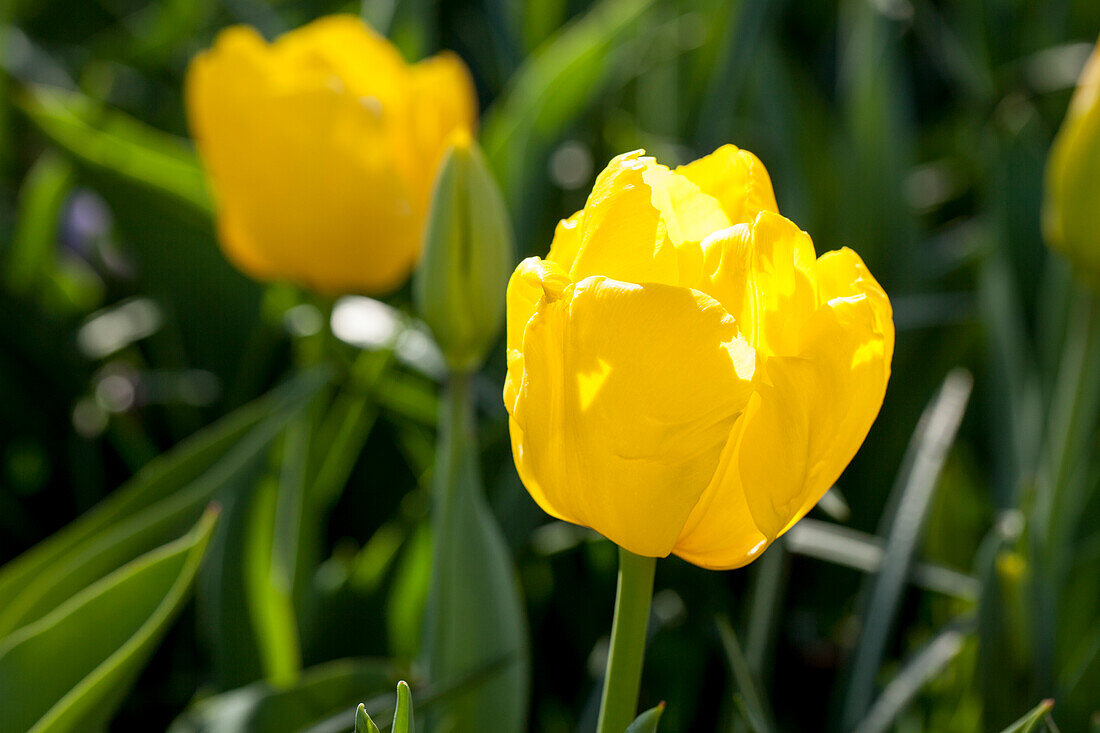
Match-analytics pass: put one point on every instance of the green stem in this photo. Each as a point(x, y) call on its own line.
point(624, 659)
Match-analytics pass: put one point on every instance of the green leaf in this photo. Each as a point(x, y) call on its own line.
point(158, 503)
point(757, 713)
point(270, 601)
point(408, 592)
point(69, 670)
point(647, 721)
point(403, 713)
point(474, 612)
point(1031, 718)
point(326, 690)
point(363, 722)
point(34, 241)
point(112, 142)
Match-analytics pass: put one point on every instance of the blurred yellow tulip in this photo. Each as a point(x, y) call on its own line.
point(1071, 209)
point(685, 375)
point(321, 148)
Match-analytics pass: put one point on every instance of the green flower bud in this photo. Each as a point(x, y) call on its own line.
point(460, 282)
point(1071, 209)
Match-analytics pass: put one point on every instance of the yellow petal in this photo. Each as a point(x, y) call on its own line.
point(318, 171)
point(621, 233)
point(526, 287)
point(442, 99)
point(815, 409)
point(720, 532)
point(567, 241)
point(737, 179)
point(609, 427)
point(642, 223)
point(764, 274)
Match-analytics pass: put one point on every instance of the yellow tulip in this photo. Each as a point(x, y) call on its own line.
point(321, 148)
point(685, 375)
point(1071, 210)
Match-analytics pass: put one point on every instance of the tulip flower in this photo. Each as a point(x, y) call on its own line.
point(322, 148)
point(1071, 210)
point(686, 375)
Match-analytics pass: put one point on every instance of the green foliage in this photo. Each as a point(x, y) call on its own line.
point(70, 669)
point(474, 615)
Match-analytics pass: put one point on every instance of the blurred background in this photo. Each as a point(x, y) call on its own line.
point(913, 131)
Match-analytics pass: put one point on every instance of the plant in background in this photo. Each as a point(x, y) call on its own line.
point(686, 376)
point(321, 148)
point(1071, 216)
point(1039, 628)
point(474, 622)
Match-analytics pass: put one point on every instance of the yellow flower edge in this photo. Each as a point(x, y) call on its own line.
point(1071, 216)
point(685, 375)
point(321, 148)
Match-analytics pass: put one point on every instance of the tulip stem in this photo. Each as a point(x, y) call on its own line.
point(628, 635)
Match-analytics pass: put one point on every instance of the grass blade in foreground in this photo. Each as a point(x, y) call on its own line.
point(322, 691)
point(647, 721)
point(1029, 721)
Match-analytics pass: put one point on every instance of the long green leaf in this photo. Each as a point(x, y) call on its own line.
point(67, 671)
point(158, 502)
point(474, 612)
point(35, 238)
point(114, 143)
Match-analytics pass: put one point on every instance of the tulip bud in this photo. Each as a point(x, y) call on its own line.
point(1071, 210)
point(460, 283)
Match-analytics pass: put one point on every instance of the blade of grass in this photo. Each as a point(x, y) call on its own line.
point(759, 716)
point(861, 551)
point(917, 672)
point(1032, 718)
point(912, 497)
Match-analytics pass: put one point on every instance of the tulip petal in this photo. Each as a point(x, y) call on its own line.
point(618, 425)
point(526, 287)
point(737, 179)
point(764, 274)
point(443, 99)
point(721, 533)
point(815, 409)
point(567, 240)
point(621, 234)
